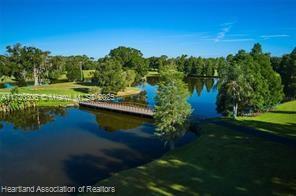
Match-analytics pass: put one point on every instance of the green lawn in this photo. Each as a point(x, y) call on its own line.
point(281, 121)
point(219, 162)
point(65, 88)
point(152, 73)
point(71, 89)
point(222, 161)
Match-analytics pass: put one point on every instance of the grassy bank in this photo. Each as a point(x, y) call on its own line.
point(71, 89)
point(222, 161)
point(281, 121)
point(67, 88)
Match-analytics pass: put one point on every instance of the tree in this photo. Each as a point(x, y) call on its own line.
point(221, 64)
point(129, 77)
point(248, 83)
point(73, 68)
point(180, 62)
point(16, 62)
point(209, 67)
point(234, 91)
point(153, 63)
point(35, 60)
point(27, 62)
point(57, 66)
point(271, 80)
point(130, 58)
point(286, 67)
point(172, 109)
point(109, 76)
point(4, 66)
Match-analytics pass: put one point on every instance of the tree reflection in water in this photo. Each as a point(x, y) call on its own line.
point(198, 84)
point(32, 119)
point(140, 98)
point(114, 121)
point(154, 80)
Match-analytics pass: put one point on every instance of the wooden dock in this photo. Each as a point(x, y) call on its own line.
point(130, 108)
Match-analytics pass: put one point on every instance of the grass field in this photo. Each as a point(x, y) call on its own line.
point(67, 88)
point(281, 121)
point(222, 161)
point(71, 89)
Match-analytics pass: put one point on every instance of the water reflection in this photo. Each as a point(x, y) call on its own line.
point(75, 147)
point(203, 93)
point(140, 98)
point(198, 84)
point(32, 119)
point(113, 121)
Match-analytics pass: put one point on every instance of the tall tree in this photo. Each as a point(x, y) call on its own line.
point(130, 58)
point(172, 108)
point(248, 81)
point(234, 91)
point(269, 77)
point(4, 66)
point(57, 66)
point(286, 67)
point(74, 68)
point(35, 60)
point(16, 62)
point(27, 62)
point(180, 62)
point(109, 76)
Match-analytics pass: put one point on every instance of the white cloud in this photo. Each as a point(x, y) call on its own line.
point(238, 40)
point(226, 28)
point(273, 36)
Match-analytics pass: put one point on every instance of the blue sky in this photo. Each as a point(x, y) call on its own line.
point(172, 27)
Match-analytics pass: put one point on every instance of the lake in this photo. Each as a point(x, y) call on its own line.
point(79, 146)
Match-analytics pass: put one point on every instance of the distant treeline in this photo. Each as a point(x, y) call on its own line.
point(189, 65)
point(30, 63)
point(124, 66)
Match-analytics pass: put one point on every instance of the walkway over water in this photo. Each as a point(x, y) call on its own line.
point(126, 107)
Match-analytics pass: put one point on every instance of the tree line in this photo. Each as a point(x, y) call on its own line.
point(189, 65)
point(33, 64)
point(253, 76)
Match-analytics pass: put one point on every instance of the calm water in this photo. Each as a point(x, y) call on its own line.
point(203, 93)
point(76, 146)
